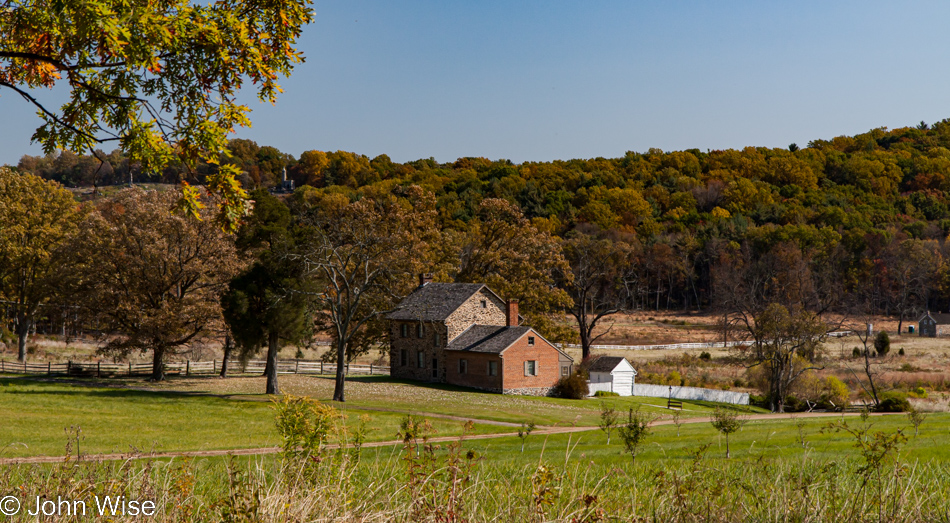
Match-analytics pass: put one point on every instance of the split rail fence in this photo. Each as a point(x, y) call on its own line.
point(185, 368)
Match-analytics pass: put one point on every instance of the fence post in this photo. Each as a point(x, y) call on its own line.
point(49, 368)
point(296, 366)
point(69, 367)
point(321, 367)
point(99, 369)
point(346, 369)
point(187, 367)
point(130, 368)
point(370, 369)
point(214, 366)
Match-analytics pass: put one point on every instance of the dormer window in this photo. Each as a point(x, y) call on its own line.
point(484, 304)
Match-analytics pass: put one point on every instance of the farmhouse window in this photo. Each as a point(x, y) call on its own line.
point(463, 366)
point(420, 330)
point(421, 359)
point(438, 339)
point(530, 340)
point(492, 368)
point(403, 357)
point(484, 304)
point(531, 368)
point(566, 370)
point(435, 368)
point(405, 330)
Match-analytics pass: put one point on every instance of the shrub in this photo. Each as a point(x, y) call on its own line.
point(856, 353)
point(835, 391)
point(572, 387)
point(674, 378)
point(705, 356)
point(918, 392)
point(604, 393)
point(882, 343)
point(893, 402)
point(901, 352)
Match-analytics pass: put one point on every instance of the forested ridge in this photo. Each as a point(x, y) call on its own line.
point(872, 207)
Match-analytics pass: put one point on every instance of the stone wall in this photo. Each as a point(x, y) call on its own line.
point(538, 391)
point(471, 313)
point(413, 345)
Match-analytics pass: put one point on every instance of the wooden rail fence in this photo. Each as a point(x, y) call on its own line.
point(184, 368)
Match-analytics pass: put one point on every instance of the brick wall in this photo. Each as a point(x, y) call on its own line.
point(413, 345)
point(477, 372)
point(548, 359)
point(471, 313)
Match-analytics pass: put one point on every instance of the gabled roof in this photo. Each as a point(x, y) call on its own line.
point(609, 364)
point(435, 301)
point(487, 338)
point(941, 319)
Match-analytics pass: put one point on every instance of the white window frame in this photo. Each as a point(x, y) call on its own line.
point(530, 340)
point(531, 367)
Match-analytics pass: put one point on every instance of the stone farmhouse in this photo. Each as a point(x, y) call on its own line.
point(465, 334)
point(933, 324)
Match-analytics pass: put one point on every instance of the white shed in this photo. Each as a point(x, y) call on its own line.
point(612, 374)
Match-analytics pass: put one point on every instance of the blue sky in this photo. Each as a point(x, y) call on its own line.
point(552, 80)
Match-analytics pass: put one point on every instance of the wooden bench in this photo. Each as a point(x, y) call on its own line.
point(674, 404)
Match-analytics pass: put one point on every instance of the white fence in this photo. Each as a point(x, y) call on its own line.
point(691, 393)
point(670, 346)
point(685, 346)
point(603, 386)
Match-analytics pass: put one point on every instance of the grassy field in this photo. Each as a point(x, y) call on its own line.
point(38, 415)
point(381, 392)
point(781, 469)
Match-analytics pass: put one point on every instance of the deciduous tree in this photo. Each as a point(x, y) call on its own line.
point(159, 78)
point(596, 283)
point(149, 278)
point(36, 218)
point(361, 258)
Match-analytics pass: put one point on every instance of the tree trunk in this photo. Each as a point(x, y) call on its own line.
point(158, 368)
point(340, 371)
point(227, 355)
point(23, 334)
point(273, 346)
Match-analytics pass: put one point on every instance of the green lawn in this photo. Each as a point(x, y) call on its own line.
point(38, 414)
point(382, 392)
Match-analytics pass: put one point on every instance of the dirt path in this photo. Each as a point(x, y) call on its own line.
point(540, 431)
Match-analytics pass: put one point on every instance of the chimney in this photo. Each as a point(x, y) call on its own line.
point(512, 313)
point(425, 278)
point(283, 176)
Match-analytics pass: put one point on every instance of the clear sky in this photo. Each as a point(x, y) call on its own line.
point(545, 80)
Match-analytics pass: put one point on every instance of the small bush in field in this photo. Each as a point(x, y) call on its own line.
point(901, 352)
point(893, 402)
point(705, 356)
point(918, 392)
point(572, 387)
point(856, 353)
point(882, 343)
point(604, 393)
